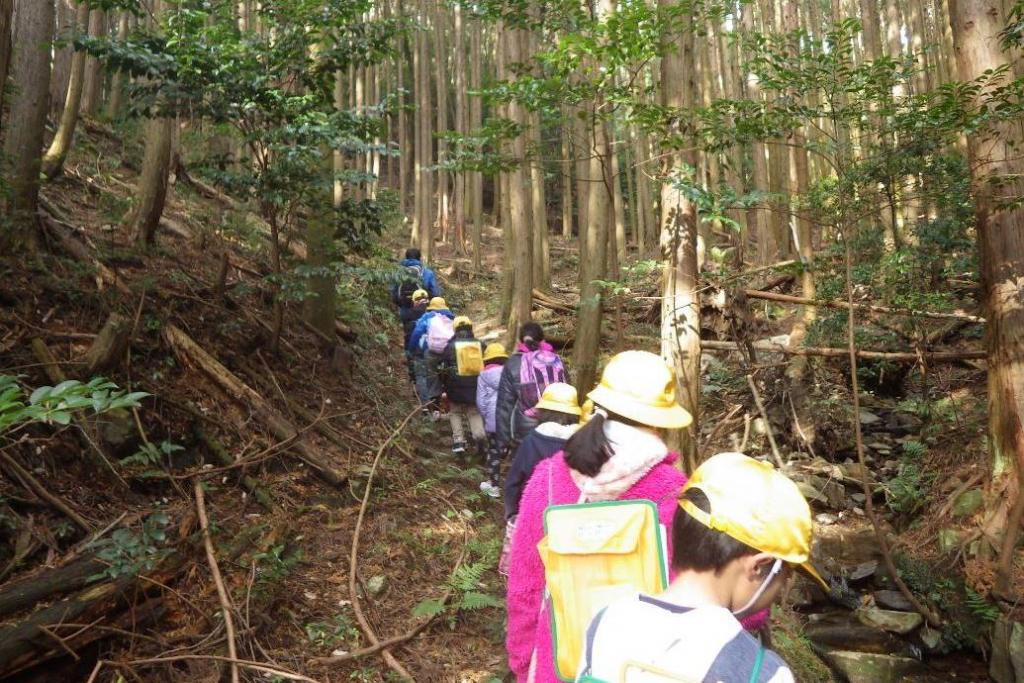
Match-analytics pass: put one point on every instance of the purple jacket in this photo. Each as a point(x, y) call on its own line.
point(487, 394)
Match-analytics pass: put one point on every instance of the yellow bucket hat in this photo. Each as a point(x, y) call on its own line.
point(437, 304)
point(755, 504)
point(561, 398)
point(640, 386)
point(461, 320)
point(420, 294)
point(495, 350)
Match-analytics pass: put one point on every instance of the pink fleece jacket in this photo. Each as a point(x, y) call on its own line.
point(528, 625)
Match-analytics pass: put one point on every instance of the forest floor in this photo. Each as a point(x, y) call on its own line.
point(427, 534)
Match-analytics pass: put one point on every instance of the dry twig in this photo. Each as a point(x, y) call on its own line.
point(222, 593)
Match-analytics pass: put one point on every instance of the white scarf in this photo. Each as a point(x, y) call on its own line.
point(634, 453)
point(557, 431)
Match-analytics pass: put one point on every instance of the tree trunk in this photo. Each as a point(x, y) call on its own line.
point(538, 204)
point(566, 181)
point(320, 308)
point(23, 140)
point(116, 103)
point(109, 347)
point(518, 227)
point(441, 67)
point(594, 255)
point(60, 73)
point(152, 187)
point(53, 160)
point(475, 121)
point(999, 221)
point(680, 317)
point(93, 88)
point(461, 127)
point(424, 145)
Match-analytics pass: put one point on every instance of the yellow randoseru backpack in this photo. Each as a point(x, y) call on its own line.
point(593, 554)
point(469, 358)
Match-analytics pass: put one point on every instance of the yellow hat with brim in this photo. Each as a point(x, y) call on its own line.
point(462, 321)
point(495, 350)
point(639, 385)
point(420, 294)
point(757, 505)
point(561, 398)
point(437, 304)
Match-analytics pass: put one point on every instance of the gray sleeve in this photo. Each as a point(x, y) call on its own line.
point(736, 662)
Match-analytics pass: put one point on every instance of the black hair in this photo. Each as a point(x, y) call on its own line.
point(413, 253)
point(500, 360)
point(545, 415)
point(700, 548)
point(531, 334)
point(587, 450)
point(464, 331)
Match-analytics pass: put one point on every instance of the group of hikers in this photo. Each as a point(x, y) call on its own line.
point(619, 567)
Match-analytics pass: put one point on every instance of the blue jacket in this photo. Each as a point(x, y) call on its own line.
point(427, 276)
point(543, 442)
point(421, 329)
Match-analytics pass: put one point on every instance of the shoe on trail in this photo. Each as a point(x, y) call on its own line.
point(489, 489)
point(458, 448)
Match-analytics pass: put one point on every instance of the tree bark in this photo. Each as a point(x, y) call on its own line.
point(594, 253)
point(424, 140)
point(476, 191)
point(93, 88)
point(518, 227)
point(320, 307)
point(462, 128)
point(441, 68)
point(680, 317)
point(115, 104)
point(996, 171)
point(110, 345)
point(6, 38)
point(152, 187)
point(23, 139)
point(53, 160)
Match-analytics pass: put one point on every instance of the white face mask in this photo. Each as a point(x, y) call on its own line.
point(776, 568)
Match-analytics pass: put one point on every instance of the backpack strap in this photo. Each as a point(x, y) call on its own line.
point(589, 642)
point(758, 663)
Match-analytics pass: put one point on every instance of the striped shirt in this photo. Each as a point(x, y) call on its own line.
point(646, 640)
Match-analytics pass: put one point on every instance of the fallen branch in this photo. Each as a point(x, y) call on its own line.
point(767, 425)
point(829, 352)
point(357, 607)
point(222, 593)
point(192, 354)
point(799, 300)
point(37, 488)
point(866, 483)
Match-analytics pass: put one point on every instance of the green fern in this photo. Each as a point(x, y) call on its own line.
point(980, 607)
point(474, 600)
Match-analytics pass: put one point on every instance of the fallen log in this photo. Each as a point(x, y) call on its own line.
point(895, 356)
point(191, 353)
point(801, 301)
point(27, 591)
point(27, 644)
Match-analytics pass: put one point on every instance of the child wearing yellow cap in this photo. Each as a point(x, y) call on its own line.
point(740, 529)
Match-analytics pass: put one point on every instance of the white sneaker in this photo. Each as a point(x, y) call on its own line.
point(458, 448)
point(489, 489)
